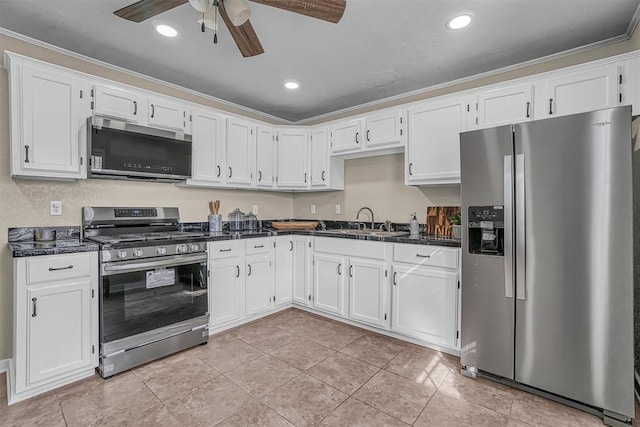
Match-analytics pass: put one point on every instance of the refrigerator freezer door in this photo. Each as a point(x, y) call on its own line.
point(574, 333)
point(487, 293)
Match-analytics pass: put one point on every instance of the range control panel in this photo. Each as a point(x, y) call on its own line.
point(135, 213)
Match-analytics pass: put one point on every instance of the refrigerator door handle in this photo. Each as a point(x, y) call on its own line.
point(508, 226)
point(521, 284)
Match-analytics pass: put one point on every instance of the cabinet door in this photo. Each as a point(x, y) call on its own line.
point(259, 289)
point(368, 300)
point(293, 155)
point(582, 91)
point(433, 146)
point(241, 146)
point(118, 103)
point(504, 106)
point(166, 114)
point(59, 329)
point(284, 270)
point(227, 290)
point(385, 129)
point(302, 271)
point(265, 157)
point(346, 136)
point(49, 126)
point(319, 157)
point(424, 304)
point(207, 146)
point(329, 283)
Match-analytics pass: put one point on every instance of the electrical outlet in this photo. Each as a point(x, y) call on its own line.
point(255, 209)
point(55, 208)
point(337, 210)
point(313, 209)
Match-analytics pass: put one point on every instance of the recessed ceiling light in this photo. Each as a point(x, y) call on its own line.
point(291, 85)
point(166, 30)
point(459, 21)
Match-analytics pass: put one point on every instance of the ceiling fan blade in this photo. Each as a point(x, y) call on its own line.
point(326, 10)
point(145, 9)
point(244, 35)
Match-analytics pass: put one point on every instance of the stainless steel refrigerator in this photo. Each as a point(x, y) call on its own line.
point(547, 259)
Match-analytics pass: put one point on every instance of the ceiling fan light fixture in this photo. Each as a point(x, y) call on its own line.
point(290, 84)
point(200, 5)
point(459, 21)
point(238, 11)
point(166, 30)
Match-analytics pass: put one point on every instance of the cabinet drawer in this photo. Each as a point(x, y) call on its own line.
point(259, 246)
point(349, 247)
point(433, 256)
point(53, 268)
point(226, 249)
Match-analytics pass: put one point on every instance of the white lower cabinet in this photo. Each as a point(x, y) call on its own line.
point(284, 270)
point(329, 290)
point(302, 269)
point(55, 322)
point(226, 281)
point(368, 292)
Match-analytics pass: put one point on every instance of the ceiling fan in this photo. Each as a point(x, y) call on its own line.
point(235, 15)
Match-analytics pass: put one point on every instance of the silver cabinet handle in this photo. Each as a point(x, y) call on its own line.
point(26, 154)
point(340, 269)
point(508, 224)
point(291, 243)
point(259, 176)
point(521, 285)
point(69, 267)
point(351, 271)
point(230, 171)
point(218, 166)
point(423, 256)
point(305, 177)
point(410, 168)
point(238, 271)
point(135, 108)
point(550, 105)
point(35, 312)
point(395, 278)
point(528, 106)
point(153, 110)
point(249, 267)
point(323, 175)
point(357, 134)
point(368, 135)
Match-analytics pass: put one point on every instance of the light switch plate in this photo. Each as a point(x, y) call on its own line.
point(313, 209)
point(337, 210)
point(55, 208)
point(255, 209)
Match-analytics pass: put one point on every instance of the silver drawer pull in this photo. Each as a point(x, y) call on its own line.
point(225, 250)
point(35, 313)
point(259, 246)
point(69, 267)
point(423, 256)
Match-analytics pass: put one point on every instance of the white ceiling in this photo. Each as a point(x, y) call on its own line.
point(380, 48)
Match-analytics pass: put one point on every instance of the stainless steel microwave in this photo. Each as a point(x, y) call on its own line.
point(122, 150)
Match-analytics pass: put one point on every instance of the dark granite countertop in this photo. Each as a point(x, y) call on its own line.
point(61, 246)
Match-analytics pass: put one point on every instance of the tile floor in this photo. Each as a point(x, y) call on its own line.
point(293, 368)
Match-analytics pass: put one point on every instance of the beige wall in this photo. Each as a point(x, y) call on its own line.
point(25, 202)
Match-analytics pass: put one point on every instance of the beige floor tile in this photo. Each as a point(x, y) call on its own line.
point(335, 336)
point(255, 414)
point(373, 348)
point(354, 413)
point(209, 403)
point(83, 388)
point(445, 410)
point(262, 375)
point(302, 354)
point(302, 325)
point(480, 391)
point(539, 411)
point(265, 338)
point(420, 365)
point(517, 423)
point(397, 396)
point(343, 372)
point(225, 353)
point(176, 376)
point(304, 400)
point(31, 411)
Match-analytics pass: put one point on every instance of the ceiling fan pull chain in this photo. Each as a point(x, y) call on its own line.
point(202, 26)
point(215, 14)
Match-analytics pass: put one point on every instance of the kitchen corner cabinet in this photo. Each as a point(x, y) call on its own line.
point(226, 281)
point(265, 157)
point(55, 322)
point(207, 160)
point(302, 269)
point(325, 172)
point(240, 152)
point(260, 275)
point(433, 148)
point(292, 158)
point(284, 270)
point(49, 111)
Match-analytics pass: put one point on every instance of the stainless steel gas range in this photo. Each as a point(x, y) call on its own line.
point(153, 285)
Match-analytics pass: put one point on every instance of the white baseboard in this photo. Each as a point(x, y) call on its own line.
point(4, 365)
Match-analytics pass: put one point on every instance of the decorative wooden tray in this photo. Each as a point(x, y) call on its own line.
point(295, 225)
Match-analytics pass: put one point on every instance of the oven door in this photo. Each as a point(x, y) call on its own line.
point(144, 300)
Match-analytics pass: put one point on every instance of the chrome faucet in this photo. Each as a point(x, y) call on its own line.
point(370, 211)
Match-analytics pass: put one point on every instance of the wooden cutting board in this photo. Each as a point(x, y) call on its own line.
point(295, 225)
point(438, 220)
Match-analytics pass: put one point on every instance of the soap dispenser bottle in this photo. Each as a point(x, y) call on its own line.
point(414, 227)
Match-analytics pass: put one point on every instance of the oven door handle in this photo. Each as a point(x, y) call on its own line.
point(126, 267)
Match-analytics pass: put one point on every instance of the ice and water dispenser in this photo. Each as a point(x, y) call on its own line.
point(486, 230)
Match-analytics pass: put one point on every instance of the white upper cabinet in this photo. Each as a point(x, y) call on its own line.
point(207, 157)
point(293, 155)
point(433, 146)
point(49, 111)
point(507, 105)
point(325, 172)
point(166, 114)
point(241, 152)
point(346, 136)
point(385, 129)
point(579, 91)
point(118, 103)
point(266, 157)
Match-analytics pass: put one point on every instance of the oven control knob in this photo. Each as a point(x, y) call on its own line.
point(161, 250)
point(121, 254)
point(194, 247)
point(182, 249)
point(137, 252)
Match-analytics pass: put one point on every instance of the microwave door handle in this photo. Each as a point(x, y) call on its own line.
point(508, 226)
point(521, 246)
point(146, 265)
